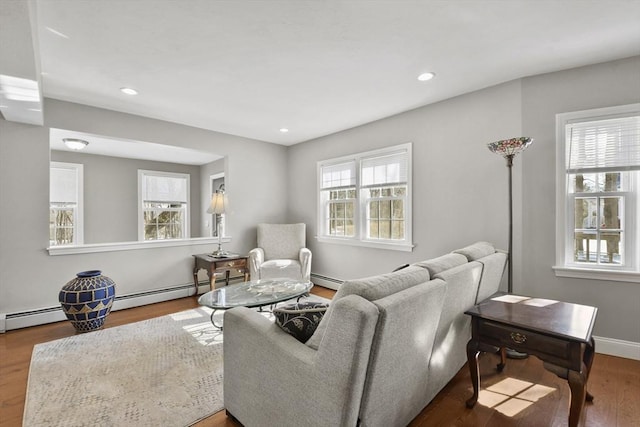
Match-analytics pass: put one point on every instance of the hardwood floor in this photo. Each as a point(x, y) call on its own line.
point(614, 381)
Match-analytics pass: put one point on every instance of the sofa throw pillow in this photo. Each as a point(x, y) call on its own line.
point(300, 319)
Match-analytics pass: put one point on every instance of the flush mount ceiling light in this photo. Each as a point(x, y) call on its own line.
point(75, 144)
point(426, 76)
point(284, 130)
point(128, 91)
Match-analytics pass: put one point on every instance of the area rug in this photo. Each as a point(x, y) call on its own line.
point(165, 371)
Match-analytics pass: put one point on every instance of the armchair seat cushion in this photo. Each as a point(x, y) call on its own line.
point(276, 268)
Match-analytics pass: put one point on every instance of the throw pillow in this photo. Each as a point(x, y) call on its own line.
point(300, 319)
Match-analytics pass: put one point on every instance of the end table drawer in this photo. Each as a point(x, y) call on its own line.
point(521, 339)
point(236, 263)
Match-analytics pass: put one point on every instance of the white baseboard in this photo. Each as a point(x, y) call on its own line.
point(325, 281)
point(10, 321)
point(619, 348)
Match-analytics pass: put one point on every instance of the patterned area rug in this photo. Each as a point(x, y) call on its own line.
point(165, 371)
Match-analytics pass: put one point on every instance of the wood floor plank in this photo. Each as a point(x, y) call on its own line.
point(615, 382)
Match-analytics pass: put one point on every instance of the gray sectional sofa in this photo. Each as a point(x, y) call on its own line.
point(385, 347)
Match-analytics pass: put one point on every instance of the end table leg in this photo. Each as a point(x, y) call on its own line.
point(589, 354)
point(503, 359)
point(578, 386)
point(195, 280)
point(474, 370)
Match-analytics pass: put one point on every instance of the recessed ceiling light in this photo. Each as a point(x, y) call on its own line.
point(128, 91)
point(284, 130)
point(75, 144)
point(426, 76)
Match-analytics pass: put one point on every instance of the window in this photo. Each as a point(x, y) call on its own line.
point(65, 204)
point(163, 200)
point(597, 193)
point(365, 199)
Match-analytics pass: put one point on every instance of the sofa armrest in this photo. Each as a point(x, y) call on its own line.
point(305, 264)
point(269, 375)
point(256, 258)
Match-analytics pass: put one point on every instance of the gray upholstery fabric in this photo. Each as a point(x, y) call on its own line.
point(442, 263)
point(272, 379)
point(492, 273)
point(281, 241)
point(281, 252)
point(372, 288)
point(454, 327)
point(396, 387)
point(476, 251)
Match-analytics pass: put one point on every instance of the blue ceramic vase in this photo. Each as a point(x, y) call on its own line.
point(87, 300)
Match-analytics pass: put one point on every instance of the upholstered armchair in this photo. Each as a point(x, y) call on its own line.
point(281, 252)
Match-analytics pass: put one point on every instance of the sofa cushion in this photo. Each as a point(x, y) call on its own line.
point(371, 289)
point(476, 251)
point(442, 263)
point(300, 319)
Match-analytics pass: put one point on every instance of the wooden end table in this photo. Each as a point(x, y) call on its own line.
point(215, 265)
point(556, 332)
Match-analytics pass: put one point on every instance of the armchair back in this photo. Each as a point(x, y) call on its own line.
point(281, 241)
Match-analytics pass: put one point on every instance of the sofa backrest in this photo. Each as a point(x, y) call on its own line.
point(395, 385)
point(371, 289)
point(494, 263)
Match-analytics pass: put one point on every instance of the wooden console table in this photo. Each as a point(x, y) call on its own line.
point(219, 265)
point(558, 333)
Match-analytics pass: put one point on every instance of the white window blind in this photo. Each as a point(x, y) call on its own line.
point(158, 188)
point(604, 145)
point(63, 185)
point(339, 175)
point(385, 170)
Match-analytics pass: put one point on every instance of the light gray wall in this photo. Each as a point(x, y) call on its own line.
point(459, 186)
point(544, 96)
point(111, 194)
point(31, 279)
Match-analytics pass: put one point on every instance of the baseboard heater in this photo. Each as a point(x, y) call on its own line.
point(326, 281)
point(24, 319)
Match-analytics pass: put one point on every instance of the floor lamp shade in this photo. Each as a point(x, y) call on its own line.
point(509, 148)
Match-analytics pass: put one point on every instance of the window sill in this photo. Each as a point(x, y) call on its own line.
point(127, 246)
point(595, 274)
point(405, 247)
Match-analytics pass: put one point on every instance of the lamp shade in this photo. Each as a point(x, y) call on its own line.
point(218, 204)
point(510, 147)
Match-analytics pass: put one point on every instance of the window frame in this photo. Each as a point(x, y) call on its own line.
point(78, 220)
point(360, 203)
point(141, 208)
point(565, 266)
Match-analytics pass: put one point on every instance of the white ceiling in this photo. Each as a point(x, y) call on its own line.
point(114, 147)
point(249, 68)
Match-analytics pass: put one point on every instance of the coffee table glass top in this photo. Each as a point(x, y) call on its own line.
point(256, 293)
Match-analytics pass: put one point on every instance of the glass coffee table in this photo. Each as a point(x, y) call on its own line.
point(256, 293)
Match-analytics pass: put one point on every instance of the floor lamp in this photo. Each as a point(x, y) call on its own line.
point(218, 206)
point(509, 148)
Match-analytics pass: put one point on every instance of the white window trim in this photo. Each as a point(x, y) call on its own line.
point(78, 223)
point(405, 245)
point(563, 242)
point(141, 174)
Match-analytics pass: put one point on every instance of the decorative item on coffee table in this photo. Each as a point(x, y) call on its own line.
point(87, 300)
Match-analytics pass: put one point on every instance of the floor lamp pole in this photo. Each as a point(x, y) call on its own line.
point(510, 254)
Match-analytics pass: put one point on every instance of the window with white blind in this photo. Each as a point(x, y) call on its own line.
point(598, 234)
point(65, 204)
point(365, 199)
point(163, 200)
